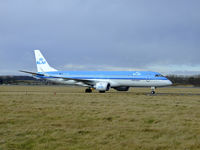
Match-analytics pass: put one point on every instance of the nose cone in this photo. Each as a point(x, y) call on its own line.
point(169, 82)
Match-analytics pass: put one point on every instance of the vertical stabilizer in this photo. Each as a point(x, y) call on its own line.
point(42, 64)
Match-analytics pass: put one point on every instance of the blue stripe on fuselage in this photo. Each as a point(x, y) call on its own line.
point(123, 75)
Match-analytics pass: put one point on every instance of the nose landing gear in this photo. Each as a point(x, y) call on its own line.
point(153, 90)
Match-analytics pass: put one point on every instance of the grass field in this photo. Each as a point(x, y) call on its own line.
point(63, 118)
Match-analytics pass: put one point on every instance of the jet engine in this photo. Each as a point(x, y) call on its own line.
point(102, 86)
point(122, 88)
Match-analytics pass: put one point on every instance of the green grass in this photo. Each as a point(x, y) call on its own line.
point(33, 117)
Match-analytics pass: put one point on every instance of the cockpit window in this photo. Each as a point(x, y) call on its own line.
point(159, 75)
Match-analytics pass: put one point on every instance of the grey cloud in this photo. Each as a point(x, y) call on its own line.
point(132, 34)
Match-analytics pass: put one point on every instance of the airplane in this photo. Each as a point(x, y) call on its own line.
point(101, 81)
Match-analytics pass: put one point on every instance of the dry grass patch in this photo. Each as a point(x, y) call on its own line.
point(36, 118)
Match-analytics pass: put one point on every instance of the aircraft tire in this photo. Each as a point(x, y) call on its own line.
point(88, 90)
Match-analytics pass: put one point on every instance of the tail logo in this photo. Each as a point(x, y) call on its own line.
point(41, 61)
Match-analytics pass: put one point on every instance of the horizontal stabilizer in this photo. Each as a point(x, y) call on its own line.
point(33, 73)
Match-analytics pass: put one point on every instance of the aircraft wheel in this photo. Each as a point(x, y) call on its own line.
point(102, 91)
point(89, 90)
point(153, 90)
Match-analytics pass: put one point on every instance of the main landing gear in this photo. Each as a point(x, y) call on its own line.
point(88, 90)
point(102, 91)
point(153, 90)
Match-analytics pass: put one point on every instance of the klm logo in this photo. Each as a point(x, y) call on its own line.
point(41, 61)
point(136, 74)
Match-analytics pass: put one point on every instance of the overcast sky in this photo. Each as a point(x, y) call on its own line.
point(156, 35)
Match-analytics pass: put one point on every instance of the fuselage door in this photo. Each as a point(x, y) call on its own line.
point(148, 78)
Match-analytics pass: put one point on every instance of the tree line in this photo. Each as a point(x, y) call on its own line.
point(20, 80)
point(184, 80)
point(28, 80)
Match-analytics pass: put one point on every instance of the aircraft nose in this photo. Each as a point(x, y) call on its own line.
point(169, 82)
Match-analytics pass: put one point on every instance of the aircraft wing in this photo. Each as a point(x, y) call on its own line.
point(85, 81)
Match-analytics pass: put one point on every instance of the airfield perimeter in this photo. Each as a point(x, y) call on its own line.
point(58, 117)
